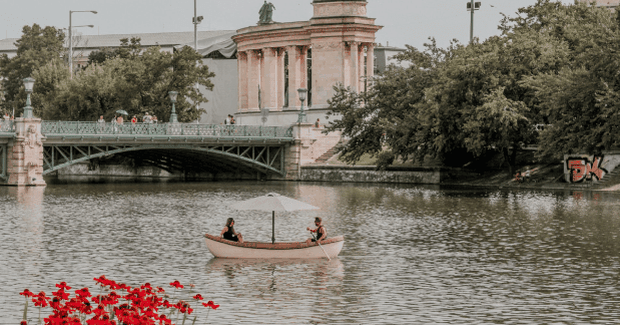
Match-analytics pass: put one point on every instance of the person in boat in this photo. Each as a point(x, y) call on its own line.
point(229, 232)
point(321, 232)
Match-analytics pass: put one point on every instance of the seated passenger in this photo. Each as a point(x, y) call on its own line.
point(321, 232)
point(229, 232)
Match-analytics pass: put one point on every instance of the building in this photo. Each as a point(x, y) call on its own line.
point(384, 57)
point(610, 4)
point(275, 59)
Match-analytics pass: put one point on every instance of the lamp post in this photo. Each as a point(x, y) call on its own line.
point(173, 98)
point(301, 118)
point(28, 84)
point(71, 39)
point(473, 6)
point(196, 21)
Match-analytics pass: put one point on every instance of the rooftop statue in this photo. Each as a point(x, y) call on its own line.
point(266, 13)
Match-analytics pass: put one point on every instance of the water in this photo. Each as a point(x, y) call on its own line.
point(413, 255)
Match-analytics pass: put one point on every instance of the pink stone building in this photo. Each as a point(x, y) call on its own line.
point(335, 46)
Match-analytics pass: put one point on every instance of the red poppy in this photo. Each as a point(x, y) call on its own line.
point(176, 284)
point(210, 304)
point(198, 297)
point(63, 286)
point(23, 323)
point(27, 293)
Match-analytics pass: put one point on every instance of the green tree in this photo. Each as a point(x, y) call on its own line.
point(36, 48)
point(465, 102)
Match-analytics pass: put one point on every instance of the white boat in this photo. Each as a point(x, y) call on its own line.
point(220, 247)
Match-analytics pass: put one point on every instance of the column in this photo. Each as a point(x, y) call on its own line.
point(295, 58)
point(253, 78)
point(371, 62)
point(360, 65)
point(242, 65)
point(354, 62)
point(269, 78)
point(279, 78)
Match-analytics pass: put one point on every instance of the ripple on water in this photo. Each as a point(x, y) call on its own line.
point(412, 255)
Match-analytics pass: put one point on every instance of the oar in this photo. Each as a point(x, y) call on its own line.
point(316, 240)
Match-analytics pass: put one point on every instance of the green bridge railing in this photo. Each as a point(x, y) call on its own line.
point(164, 129)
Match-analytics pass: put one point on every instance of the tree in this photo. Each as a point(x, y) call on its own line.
point(36, 48)
point(465, 102)
point(133, 80)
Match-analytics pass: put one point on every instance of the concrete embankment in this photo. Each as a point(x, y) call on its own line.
point(369, 174)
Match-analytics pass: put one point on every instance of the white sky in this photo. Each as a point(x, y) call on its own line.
point(405, 21)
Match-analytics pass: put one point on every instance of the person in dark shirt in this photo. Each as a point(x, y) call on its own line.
point(321, 232)
point(229, 232)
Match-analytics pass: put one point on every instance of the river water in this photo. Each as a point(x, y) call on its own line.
point(413, 255)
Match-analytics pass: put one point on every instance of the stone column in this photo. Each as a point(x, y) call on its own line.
point(295, 66)
point(25, 154)
point(371, 62)
point(269, 78)
point(361, 73)
point(280, 78)
point(253, 67)
point(354, 79)
point(242, 64)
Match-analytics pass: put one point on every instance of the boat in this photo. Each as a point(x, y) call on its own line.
point(224, 248)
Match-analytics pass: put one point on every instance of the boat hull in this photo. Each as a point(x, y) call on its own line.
point(227, 249)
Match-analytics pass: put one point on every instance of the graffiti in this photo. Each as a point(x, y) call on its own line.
point(581, 169)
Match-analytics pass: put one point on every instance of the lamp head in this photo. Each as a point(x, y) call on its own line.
point(302, 94)
point(173, 96)
point(28, 84)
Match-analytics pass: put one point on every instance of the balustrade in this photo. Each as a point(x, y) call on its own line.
point(163, 129)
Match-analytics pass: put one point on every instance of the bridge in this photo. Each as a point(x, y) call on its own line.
point(31, 148)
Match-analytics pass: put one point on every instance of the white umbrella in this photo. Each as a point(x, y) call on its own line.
point(273, 202)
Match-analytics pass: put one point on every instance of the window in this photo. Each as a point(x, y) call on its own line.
point(286, 80)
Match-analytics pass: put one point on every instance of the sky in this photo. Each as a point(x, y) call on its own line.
point(409, 22)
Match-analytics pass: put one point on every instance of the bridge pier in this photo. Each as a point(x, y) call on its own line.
point(308, 145)
point(25, 154)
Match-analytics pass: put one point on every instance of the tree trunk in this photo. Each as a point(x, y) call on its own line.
point(510, 159)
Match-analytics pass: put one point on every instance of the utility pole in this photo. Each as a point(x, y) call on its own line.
point(471, 27)
point(195, 28)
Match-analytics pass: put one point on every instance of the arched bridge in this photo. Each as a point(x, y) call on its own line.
point(174, 147)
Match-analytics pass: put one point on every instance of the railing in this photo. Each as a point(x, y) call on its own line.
point(7, 126)
point(164, 129)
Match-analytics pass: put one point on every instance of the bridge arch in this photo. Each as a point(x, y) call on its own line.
point(265, 158)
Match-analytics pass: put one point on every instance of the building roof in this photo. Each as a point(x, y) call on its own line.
point(146, 39)
point(220, 43)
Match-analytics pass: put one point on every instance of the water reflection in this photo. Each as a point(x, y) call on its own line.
point(412, 254)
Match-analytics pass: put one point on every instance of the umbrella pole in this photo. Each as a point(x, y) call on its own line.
point(273, 227)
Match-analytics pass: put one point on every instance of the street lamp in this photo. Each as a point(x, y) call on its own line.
point(473, 6)
point(301, 118)
point(173, 98)
point(28, 84)
point(71, 39)
point(196, 21)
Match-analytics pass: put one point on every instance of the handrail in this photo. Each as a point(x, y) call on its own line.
point(7, 126)
point(49, 128)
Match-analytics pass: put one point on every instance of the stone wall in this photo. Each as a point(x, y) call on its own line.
point(589, 168)
point(370, 175)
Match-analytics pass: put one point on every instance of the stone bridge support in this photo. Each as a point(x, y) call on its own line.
point(310, 143)
point(25, 154)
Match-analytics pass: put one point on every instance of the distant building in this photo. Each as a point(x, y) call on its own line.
point(217, 48)
point(610, 4)
point(384, 57)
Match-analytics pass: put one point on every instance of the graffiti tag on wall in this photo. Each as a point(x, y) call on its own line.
point(581, 169)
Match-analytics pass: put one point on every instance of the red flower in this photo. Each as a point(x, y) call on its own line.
point(27, 293)
point(83, 293)
point(23, 323)
point(63, 286)
point(176, 284)
point(198, 297)
point(210, 304)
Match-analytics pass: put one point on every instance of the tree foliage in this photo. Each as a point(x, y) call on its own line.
point(128, 78)
point(37, 48)
point(553, 64)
